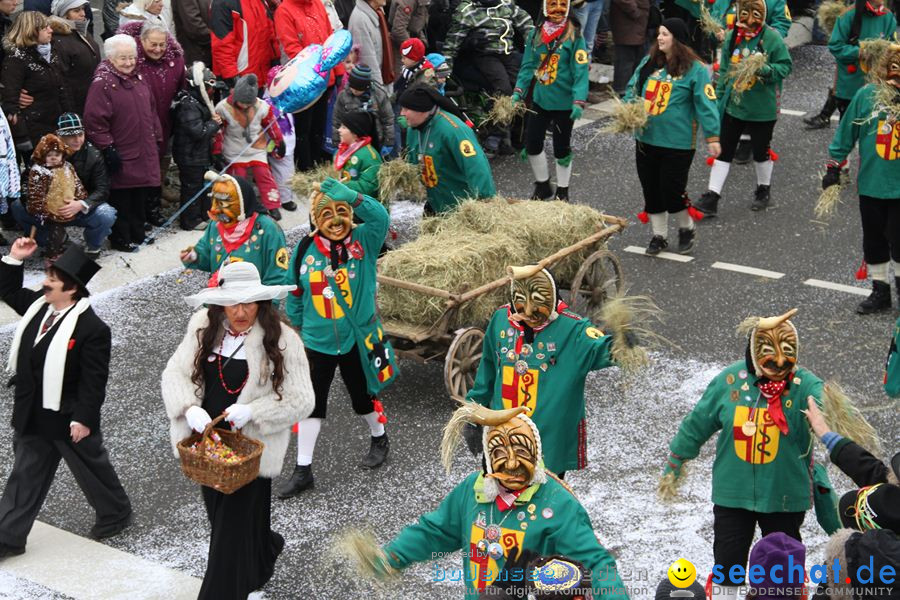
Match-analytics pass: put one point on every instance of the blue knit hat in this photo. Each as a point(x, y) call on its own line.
point(69, 124)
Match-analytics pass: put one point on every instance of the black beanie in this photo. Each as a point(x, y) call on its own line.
point(678, 30)
point(423, 98)
point(361, 123)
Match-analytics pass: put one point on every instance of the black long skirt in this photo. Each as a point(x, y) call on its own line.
point(242, 546)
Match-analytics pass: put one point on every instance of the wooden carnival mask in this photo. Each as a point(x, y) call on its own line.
point(556, 10)
point(512, 450)
point(533, 295)
point(892, 65)
point(751, 14)
point(333, 219)
point(226, 207)
point(774, 346)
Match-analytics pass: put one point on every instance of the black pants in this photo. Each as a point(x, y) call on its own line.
point(624, 63)
point(130, 205)
point(881, 229)
point(760, 133)
point(242, 546)
point(192, 182)
point(34, 467)
point(536, 126)
point(310, 132)
point(663, 173)
point(733, 530)
point(321, 371)
point(500, 72)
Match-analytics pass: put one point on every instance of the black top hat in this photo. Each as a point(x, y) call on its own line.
point(75, 263)
point(882, 508)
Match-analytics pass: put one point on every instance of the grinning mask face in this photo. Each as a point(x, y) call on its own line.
point(534, 298)
point(775, 351)
point(751, 14)
point(333, 219)
point(513, 453)
point(892, 65)
point(226, 203)
point(556, 10)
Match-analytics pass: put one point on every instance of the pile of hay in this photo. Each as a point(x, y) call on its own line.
point(708, 23)
point(828, 14)
point(399, 180)
point(871, 53)
point(302, 183)
point(628, 117)
point(743, 74)
point(472, 246)
point(503, 110)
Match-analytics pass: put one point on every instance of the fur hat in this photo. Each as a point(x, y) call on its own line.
point(245, 89)
point(413, 49)
point(49, 143)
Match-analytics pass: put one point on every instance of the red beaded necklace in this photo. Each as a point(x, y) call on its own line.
point(221, 376)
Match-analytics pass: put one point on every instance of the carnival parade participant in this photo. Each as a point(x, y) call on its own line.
point(867, 20)
point(513, 506)
point(757, 405)
point(749, 105)
point(453, 164)
point(357, 160)
point(239, 359)
point(677, 94)
point(873, 124)
point(553, 82)
point(537, 354)
point(338, 257)
point(237, 232)
point(60, 355)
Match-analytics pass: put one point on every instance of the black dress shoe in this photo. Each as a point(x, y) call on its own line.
point(301, 479)
point(289, 206)
point(378, 451)
point(6, 551)
point(107, 530)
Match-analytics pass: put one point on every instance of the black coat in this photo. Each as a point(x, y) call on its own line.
point(78, 56)
point(858, 463)
point(85, 374)
point(194, 130)
point(91, 170)
point(24, 68)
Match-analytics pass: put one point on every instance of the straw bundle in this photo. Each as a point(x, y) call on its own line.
point(743, 74)
point(668, 486)
point(504, 110)
point(708, 23)
point(363, 553)
point(871, 53)
point(626, 319)
point(828, 14)
point(628, 117)
point(303, 182)
point(400, 180)
point(887, 100)
point(472, 246)
point(844, 418)
point(826, 205)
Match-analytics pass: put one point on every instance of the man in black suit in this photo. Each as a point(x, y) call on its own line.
point(60, 355)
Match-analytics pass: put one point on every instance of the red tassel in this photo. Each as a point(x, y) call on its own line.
point(296, 427)
point(773, 156)
point(862, 273)
point(695, 214)
point(716, 67)
point(710, 160)
point(393, 233)
point(643, 217)
point(470, 124)
point(377, 407)
point(851, 68)
point(382, 419)
point(71, 343)
point(213, 281)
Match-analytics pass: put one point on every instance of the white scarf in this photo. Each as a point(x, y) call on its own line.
point(55, 362)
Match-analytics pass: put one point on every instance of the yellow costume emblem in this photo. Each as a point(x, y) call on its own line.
point(520, 390)
point(467, 148)
point(757, 444)
point(323, 293)
point(710, 91)
point(887, 140)
point(581, 57)
point(484, 569)
point(429, 175)
point(281, 258)
point(656, 97)
point(593, 333)
point(547, 75)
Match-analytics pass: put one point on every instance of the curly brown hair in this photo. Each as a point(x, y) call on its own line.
point(207, 337)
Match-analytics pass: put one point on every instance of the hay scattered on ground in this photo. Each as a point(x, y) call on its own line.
point(871, 54)
point(827, 204)
point(472, 246)
point(503, 110)
point(828, 14)
point(628, 117)
point(400, 180)
point(743, 74)
point(303, 182)
point(708, 23)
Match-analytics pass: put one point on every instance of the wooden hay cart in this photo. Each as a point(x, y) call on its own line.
point(459, 344)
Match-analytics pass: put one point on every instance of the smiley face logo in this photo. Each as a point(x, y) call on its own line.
point(682, 573)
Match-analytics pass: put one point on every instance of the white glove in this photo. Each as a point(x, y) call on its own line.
point(238, 415)
point(197, 418)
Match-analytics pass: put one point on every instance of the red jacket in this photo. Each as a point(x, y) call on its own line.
point(300, 23)
point(243, 38)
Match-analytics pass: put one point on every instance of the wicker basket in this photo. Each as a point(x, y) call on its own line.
point(223, 477)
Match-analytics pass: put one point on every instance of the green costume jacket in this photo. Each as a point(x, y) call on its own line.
point(760, 101)
point(892, 365)
point(675, 105)
point(763, 471)
point(778, 16)
point(312, 308)
point(265, 248)
point(454, 166)
point(879, 145)
point(546, 519)
point(564, 79)
point(558, 361)
point(850, 76)
point(360, 171)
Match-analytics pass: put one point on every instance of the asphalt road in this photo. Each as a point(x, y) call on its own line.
point(630, 422)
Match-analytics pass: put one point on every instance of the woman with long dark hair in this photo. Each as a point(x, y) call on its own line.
point(239, 358)
point(674, 85)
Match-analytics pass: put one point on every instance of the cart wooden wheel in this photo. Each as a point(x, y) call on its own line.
point(598, 279)
point(461, 362)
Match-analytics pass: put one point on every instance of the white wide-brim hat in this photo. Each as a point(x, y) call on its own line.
point(238, 283)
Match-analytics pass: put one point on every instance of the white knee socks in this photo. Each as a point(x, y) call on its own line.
point(683, 220)
point(764, 172)
point(659, 222)
point(718, 175)
point(539, 167)
point(307, 433)
point(563, 174)
point(878, 272)
point(375, 428)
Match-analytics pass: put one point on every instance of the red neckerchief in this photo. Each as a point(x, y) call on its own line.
point(743, 34)
point(772, 391)
point(550, 30)
point(345, 151)
point(234, 238)
point(877, 11)
point(560, 306)
point(506, 499)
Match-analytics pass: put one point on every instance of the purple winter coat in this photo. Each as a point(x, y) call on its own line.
point(166, 76)
point(120, 112)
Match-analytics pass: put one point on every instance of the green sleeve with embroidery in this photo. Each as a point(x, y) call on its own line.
point(293, 306)
point(778, 17)
point(372, 231)
point(364, 173)
point(700, 424)
point(593, 347)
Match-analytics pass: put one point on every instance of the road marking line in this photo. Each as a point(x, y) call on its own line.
point(747, 270)
point(800, 113)
point(667, 255)
point(838, 287)
point(83, 568)
point(582, 123)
